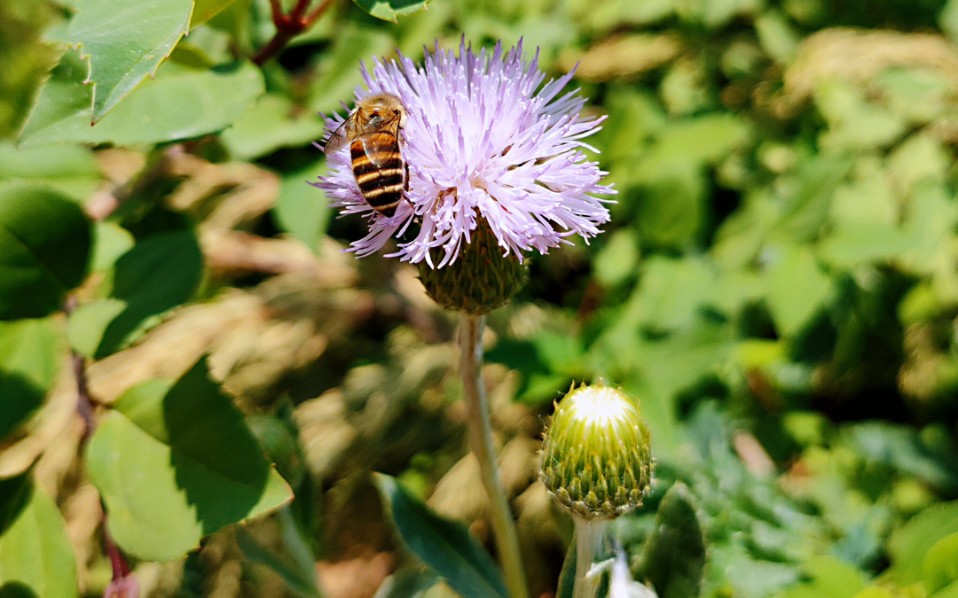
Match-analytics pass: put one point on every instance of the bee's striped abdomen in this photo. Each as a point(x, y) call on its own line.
point(379, 171)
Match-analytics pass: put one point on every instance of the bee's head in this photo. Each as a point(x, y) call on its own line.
point(382, 107)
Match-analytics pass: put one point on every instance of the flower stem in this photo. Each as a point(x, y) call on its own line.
point(480, 439)
point(588, 535)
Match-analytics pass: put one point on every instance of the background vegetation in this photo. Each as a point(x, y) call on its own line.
point(778, 287)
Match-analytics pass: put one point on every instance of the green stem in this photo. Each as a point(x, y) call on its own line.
point(480, 439)
point(588, 536)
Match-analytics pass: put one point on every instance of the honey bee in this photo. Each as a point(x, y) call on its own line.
point(372, 132)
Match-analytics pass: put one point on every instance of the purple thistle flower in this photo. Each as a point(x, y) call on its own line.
point(483, 139)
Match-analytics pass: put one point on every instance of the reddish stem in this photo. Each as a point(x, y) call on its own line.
point(288, 26)
point(117, 561)
point(121, 586)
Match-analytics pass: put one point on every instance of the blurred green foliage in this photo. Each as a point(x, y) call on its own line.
point(778, 286)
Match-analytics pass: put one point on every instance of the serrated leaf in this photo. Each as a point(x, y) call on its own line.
point(36, 558)
point(125, 42)
point(156, 274)
point(391, 10)
point(181, 103)
point(444, 545)
point(175, 462)
point(45, 241)
point(30, 355)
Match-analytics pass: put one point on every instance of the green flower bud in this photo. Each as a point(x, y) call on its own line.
point(596, 455)
point(480, 280)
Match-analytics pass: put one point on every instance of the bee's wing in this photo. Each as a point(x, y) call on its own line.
point(380, 145)
point(339, 138)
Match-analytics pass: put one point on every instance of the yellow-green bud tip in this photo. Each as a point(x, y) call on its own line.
point(596, 455)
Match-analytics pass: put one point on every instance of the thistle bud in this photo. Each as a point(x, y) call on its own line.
point(596, 455)
point(480, 280)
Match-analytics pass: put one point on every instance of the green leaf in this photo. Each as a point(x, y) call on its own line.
point(175, 462)
point(273, 122)
point(111, 241)
point(181, 103)
point(941, 563)
point(671, 292)
point(617, 261)
point(71, 170)
point(158, 273)
point(909, 545)
point(36, 558)
point(674, 556)
point(391, 10)
point(351, 45)
point(444, 545)
point(830, 577)
point(699, 140)
point(303, 210)
point(204, 10)
point(854, 123)
point(30, 357)
point(125, 42)
point(301, 580)
point(45, 244)
point(408, 583)
point(566, 583)
point(797, 290)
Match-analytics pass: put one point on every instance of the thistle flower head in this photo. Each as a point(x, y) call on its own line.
point(596, 456)
point(485, 141)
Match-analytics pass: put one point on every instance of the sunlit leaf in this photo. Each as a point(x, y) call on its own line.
point(273, 122)
point(391, 10)
point(829, 578)
point(617, 261)
point(36, 558)
point(175, 462)
point(125, 42)
point(303, 210)
point(941, 563)
point(156, 274)
point(443, 545)
point(671, 292)
point(204, 10)
point(31, 353)
point(910, 544)
point(339, 66)
point(71, 170)
point(797, 290)
point(180, 103)
point(45, 241)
